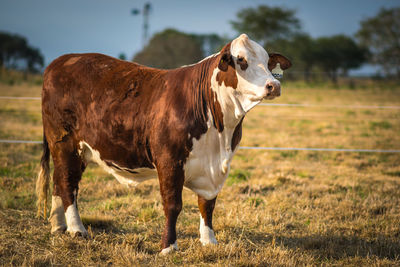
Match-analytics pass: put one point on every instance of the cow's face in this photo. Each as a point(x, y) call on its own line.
point(245, 68)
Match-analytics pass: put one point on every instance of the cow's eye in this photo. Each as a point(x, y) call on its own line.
point(242, 63)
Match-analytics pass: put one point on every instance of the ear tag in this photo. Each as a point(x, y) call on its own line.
point(277, 72)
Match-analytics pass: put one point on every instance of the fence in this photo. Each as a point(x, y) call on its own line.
point(257, 148)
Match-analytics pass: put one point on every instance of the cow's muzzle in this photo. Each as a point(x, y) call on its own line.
point(273, 89)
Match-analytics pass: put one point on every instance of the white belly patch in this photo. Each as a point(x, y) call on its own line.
point(126, 176)
point(208, 164)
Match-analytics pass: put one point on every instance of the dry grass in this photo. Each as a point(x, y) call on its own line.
point(280, 208)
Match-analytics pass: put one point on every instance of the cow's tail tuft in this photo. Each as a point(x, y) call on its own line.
point(43, 180)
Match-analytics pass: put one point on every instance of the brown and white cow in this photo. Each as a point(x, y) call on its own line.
point(182, 126)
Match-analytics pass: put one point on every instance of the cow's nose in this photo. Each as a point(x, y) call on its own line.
point(273, 88)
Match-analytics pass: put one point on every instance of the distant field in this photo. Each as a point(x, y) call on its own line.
point(277, 208)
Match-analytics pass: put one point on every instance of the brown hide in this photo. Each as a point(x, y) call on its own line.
point(134, 116)
point(275, 58)
point(128, 112)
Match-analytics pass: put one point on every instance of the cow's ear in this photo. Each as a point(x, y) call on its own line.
point(275, 58)
point(225, 61)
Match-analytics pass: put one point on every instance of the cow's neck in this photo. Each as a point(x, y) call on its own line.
point(218, 101)
point(233, 107)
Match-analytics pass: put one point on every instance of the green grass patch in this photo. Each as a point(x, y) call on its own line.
point(288, 154)
point(255, 201)
point(237, 176)
point(393, 173)
point(373, 125)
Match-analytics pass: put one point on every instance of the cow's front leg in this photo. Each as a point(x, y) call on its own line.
point(206, 230)
point(171, 185)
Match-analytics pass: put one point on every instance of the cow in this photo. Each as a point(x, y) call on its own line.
point(181, 125)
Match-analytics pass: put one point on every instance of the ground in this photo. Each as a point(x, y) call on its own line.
point(282, 208)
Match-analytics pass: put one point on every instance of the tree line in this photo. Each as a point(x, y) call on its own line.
point(16, 53)
point(279, 30)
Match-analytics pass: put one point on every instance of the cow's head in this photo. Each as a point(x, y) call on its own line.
point(244, 74)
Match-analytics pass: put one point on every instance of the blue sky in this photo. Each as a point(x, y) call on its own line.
point(57, 27)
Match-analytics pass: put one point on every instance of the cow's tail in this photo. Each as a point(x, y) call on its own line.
point(43, 180)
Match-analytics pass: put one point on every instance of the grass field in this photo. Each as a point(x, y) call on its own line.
point(280, 208)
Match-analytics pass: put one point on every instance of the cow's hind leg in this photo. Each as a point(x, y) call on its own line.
point(68, 168)
point(206, 230)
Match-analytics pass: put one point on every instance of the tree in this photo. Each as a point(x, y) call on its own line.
point(381, 35)
point(301, 49)
point(266, 24)
point(122, 56)
point(170, 49)
point(210, 43)
point(16, 53)
point(338, 52)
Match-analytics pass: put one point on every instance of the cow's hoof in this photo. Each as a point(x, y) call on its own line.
point(207, 236)
point(209, 240)
point(78, 234)
point(170, 249)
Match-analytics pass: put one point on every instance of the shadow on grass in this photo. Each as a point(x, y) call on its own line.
point(100, 224)
point(338, 247)
point(328, 246)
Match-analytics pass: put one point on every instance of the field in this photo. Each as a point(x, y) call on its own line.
point(280, 208)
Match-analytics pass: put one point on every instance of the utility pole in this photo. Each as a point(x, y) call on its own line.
point(145, 12)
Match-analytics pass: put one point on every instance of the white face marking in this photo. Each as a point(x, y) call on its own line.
point(123, 175)
point(252, 81)
point(57, 217)
point(74, 223)
point(251, 88)
point(169, 249)
point(206, 234)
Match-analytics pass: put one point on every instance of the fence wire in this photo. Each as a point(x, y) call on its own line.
point(261, 104)
point(257, 148)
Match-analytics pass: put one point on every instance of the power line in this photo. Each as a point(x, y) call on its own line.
point(20, 98)
point(321, 149)
point(262, 104)
point(329, 106)
point(20, 141)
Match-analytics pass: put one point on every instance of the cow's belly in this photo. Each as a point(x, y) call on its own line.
point(208, 164)
point(126, 176)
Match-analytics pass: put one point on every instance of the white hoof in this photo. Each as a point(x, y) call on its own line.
point(206, 234)
point(78, 233)
point(75, 226)
point(169, 249)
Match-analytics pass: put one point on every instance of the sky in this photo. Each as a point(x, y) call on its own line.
point(58, 27)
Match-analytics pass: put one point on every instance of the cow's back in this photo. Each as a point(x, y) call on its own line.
point(102, 101)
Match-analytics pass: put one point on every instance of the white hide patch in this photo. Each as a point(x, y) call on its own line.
point(232, 104)
point(129, 177)
point(206, 234)
point(74, 223)
point(251, 88)
point(169, 249)
point(208, 164)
